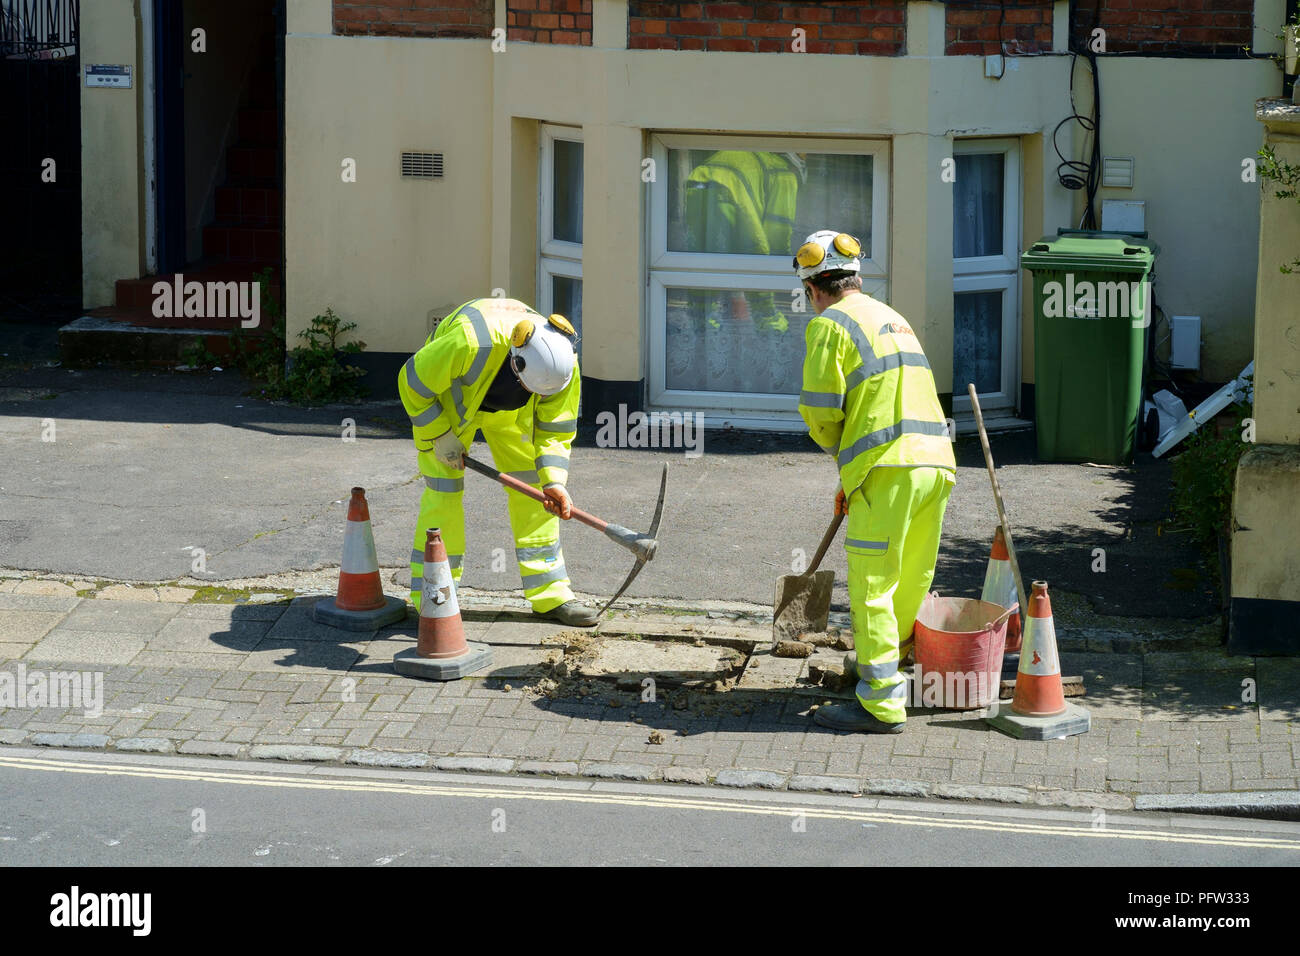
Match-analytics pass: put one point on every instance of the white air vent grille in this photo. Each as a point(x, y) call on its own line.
point(421, 165)
point(1117, 171)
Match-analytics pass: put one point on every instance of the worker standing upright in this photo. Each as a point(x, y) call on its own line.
point(497, 366)
point(869, 401)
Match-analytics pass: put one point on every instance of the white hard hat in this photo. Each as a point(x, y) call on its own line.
point(828, 251)
point(542, 355)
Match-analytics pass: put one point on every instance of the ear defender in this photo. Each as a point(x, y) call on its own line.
point(522, 334)
point(563, 324)
point(847, 245)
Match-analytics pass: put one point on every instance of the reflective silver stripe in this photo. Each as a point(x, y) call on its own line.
point(546, 577)
point(449, 485)
point(821, 399)
point(527, 477)
point(552, 461)
point(882, 436)
point(458, 398)
point(866, 692)
point(484, 344)
point(855, 378)
point(453, 560)
point(561, 427)
point(417, 582)
point(878, 671)
point(428, 416)
point(869, 545)
point(546, 551)
point(872, 364)
point(413, 380)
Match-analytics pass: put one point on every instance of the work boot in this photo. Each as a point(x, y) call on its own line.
point(854, 717)
point(571, 614)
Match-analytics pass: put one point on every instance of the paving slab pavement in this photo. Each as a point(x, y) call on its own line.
point(233, 679)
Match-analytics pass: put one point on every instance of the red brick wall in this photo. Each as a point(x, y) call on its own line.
point(549, 21)
point(414, 18)
point(980, 26)
point(765, 26)
point(1197, 27)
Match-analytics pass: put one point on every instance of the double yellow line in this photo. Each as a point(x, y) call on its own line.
point(664, 801)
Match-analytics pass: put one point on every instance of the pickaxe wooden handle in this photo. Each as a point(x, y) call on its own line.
point(643, 546)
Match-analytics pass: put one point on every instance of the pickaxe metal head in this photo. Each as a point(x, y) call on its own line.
point(643, 546)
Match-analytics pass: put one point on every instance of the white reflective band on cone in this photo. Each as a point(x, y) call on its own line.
point(1038, 652)
point(438, 595)
point(999, 584)
point(359, 549)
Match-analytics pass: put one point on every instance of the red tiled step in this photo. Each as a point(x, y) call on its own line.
point(138, 293)
point(242, 243)
point(251, 162)
point(259, 127)
point(248, 206)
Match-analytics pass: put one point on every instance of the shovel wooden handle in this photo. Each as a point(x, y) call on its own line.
point(827, 538)
point(997, 496)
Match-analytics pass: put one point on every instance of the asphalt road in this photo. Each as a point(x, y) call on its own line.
point(143, 467)
point(72, 808)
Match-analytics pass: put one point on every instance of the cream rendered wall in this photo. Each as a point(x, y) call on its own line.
point(383, 251)
point(1182, 122)
point(111, 170)
point(426, 245)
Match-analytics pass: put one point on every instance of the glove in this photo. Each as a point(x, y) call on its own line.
point(448, 450)
point(841, 502)
point(558, 501)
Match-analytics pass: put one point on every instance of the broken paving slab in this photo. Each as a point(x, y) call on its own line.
point(668, 663)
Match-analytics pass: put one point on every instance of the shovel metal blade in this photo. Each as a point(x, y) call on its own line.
point(803, 603)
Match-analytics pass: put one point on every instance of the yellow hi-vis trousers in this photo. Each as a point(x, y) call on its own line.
point(536, 531)
point(895, 518)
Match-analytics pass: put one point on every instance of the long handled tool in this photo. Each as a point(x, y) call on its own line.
point(643, 546)
point(807, 596)
point(997, 497)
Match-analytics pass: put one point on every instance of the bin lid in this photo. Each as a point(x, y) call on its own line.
point(1098, 253)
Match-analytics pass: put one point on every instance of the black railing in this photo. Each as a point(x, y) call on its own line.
point(31, 27)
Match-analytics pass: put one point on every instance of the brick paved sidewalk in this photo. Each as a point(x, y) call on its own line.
point(266, 681)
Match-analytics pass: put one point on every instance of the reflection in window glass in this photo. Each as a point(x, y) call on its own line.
point(566, 299)
point(977, 205)
point(730, 340)
point(977, 341)
point(754, 202)
point(566, 191)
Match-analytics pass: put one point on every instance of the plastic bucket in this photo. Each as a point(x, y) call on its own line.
point(959, 646)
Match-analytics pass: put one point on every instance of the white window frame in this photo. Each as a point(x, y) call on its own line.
point(555, 257)
point(996, 273)
point(666, 269)
point(759, 405)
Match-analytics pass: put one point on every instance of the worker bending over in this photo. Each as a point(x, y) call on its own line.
point(497, 366)
point(869, 401)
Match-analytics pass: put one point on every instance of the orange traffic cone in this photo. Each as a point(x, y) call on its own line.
point(441, 651)
point(1000, 587)
point(1039, 710)
point(360, 604)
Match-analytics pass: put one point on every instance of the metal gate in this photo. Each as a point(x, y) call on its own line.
point(40, 163)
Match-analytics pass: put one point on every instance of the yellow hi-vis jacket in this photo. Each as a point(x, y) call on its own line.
point(442, 386)
point(868, 393)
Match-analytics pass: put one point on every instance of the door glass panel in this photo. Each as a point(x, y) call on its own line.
point(566, 191)
point(729, 340)
point(566, 299)
point(755, 202)
point(977, 205)
point(977, 341)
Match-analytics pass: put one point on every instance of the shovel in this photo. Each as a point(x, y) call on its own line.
point(803, 601)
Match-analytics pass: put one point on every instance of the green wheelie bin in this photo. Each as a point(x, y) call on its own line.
point(1092, 306)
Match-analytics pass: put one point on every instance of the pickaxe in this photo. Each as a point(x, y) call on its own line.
point(643, 546)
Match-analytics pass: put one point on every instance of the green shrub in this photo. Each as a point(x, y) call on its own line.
point(310, 374)
point(1204, 473)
